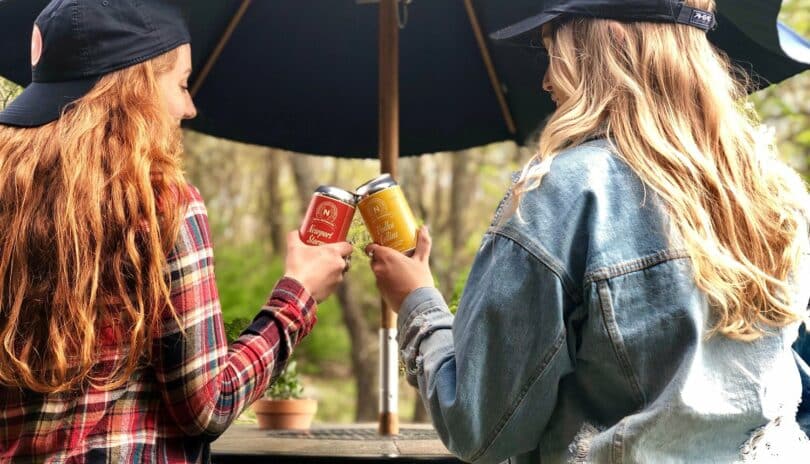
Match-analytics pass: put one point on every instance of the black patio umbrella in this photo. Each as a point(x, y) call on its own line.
point(304, 75)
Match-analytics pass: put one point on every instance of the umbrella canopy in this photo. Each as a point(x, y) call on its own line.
point(302, 74)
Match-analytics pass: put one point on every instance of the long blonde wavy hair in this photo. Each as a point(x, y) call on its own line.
point(90, 205)
point(675, 110)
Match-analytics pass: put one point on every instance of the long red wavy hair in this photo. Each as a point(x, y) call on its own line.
point(90, 205)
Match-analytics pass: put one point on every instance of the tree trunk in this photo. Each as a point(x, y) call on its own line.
point(411, 177)
point(413, 183)
point(273, 208)
point(463, 165)
point(361, 335)
point(364, 356)
point(438, 220)
point(304, 179)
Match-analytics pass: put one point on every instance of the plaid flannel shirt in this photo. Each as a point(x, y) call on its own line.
point(195, 387)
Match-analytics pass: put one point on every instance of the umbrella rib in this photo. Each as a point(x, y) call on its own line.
point(226, 36)
point(493, 75)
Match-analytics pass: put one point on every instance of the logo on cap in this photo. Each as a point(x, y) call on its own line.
point(36, 46)
point(702, 19)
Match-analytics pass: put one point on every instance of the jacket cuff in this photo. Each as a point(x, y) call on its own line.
point(423, 312)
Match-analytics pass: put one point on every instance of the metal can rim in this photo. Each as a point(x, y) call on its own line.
point(337, 193)
point(375, 185)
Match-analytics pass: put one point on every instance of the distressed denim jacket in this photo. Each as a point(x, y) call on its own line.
point(582, 337)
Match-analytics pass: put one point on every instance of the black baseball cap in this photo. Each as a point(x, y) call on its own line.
point(669, 11)
point(76, 42)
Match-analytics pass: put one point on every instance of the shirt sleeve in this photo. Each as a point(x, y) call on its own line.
point(489, 376)
point(204, 383)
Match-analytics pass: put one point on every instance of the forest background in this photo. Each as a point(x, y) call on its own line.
point(256, 194)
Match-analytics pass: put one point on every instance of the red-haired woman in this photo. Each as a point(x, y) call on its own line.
point(112, 346)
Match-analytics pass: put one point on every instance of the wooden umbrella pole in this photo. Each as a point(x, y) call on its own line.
point(389, 153)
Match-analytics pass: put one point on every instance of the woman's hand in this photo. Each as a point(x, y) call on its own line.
point(398, 275)
point(319, 268)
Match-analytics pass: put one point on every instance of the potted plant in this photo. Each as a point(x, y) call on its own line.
point(283, 406)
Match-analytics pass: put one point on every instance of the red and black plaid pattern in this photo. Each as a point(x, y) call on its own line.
point(195, 387)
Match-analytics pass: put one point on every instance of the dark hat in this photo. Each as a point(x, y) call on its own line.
point(669, 11)
point(76, 42)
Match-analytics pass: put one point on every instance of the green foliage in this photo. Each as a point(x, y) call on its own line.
point(235, 327)
point(328, 343)
point(339, 394)
point(288, 384)
point(246, 275)
point(458, 289)
point(796, 14)
point(804, 138)
point(784, 107)
point(359, 237)
point(8, 91)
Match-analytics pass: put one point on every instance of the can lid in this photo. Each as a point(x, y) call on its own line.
point(337, 193)
point(375, 185)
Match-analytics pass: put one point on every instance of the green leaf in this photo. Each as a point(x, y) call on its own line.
point(287, 385)
point(804, 137)
point(235, 327)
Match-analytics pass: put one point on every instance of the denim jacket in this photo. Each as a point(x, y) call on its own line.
point(802, 355)
point(582, 337)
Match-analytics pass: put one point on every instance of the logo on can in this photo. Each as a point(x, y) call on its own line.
point(327, 212)
point(328, 217)
point(378, 208)
point(387, 215)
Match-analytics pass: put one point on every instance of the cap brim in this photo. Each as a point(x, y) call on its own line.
point(524, 26)
point(43, 102)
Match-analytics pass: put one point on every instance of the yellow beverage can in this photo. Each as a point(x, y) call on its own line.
point(387, 215)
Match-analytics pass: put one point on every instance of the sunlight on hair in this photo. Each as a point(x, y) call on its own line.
point(696, 142)
point(92, 206)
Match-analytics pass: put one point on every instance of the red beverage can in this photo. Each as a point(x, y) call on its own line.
point(329, 216)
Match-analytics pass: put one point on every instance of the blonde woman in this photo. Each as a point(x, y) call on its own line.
point(637, 295)
point(112, 347)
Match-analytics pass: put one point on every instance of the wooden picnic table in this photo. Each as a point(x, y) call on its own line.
point(324, 443)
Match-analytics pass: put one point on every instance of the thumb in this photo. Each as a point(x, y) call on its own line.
point(423, 244)
point(382, 252)
point(343, 248)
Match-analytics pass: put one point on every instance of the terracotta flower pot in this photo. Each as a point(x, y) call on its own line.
point(285, 414)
